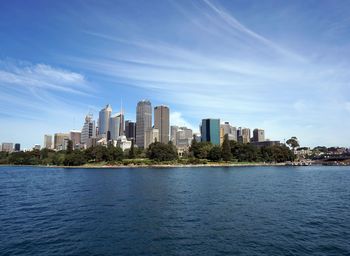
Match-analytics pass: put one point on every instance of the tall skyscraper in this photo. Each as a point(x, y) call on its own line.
point(89, 130)
point(143, 121)
point(48, 141)
point(116, 126)
point(258, 135)
point(59, 140)
point(162, 122)
point(130, 130)
point(103, 120)
point(210, 131)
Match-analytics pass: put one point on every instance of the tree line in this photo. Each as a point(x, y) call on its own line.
point(199, 152)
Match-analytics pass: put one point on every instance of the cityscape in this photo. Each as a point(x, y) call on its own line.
point(111, 128)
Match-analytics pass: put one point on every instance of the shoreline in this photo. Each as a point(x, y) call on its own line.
point(212, 165)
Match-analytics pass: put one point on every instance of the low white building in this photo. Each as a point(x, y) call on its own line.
point(122, 142)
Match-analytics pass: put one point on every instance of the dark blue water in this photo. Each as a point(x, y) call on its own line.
point(199, 211)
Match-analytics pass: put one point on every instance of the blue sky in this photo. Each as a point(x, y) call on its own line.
point(278, 65)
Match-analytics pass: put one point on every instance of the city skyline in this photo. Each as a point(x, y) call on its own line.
point(268, 65)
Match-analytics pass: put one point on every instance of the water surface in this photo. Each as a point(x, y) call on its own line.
point(176, 211)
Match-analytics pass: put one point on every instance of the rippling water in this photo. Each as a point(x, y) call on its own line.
point(199, 211)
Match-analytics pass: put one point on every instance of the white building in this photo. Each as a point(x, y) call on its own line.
point(122, 142)
point(48, 141)
point(88, 131)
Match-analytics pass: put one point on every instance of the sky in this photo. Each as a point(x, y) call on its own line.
point(282, 66)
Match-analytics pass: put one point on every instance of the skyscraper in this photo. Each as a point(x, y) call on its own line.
point(245, 135)
point(143, 121)
point(103, 120)
point(210, 131)
point(130, 130)
point(258, 135)
point(89, 130)
point(162, 122)
point(173, 132)
point(48, 141)
point(116, 126)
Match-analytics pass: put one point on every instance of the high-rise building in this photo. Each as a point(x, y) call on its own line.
point(103, 120)
point(7, 147)
point(210, 131)
point(173, 131)
point(116, 126)
point(59, 140)
point(258, 135)
point(75, 137)
point(143, 121)
point(17, 147)
point(151, 136)
point(184, 137)
point(162, 122)
point(227, 129)
point(245, 135)
point(89, 130)
point(130, 130)
point(48, 141)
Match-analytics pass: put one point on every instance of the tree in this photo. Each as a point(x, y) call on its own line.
point(215, 153)
point(70, 147)
point(132, 150)
point(76, 158)
point(226, 149)
point(114, 153)
point(194, 149)
point(293, 143)
point(161, 152)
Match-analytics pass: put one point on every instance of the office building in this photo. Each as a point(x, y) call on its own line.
point(103, 120)
point(173, 131)
point(88, 131)
point(59, 140)
point(184, 137)
point(130, 130)
point(7, 147)
point(210, 131)
point(75, 137)
point(116, 126)
point(143, 121)
point(17, 147)
point(162, 122)
point(258, 135)
point(151, 136)
point(48, 141)
point(227, 129)
point(245, 137)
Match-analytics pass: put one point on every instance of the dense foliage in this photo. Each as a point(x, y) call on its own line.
point(239, 152)
point(200, 152)
point(162, 152)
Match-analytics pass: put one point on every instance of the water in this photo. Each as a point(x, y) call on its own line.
point(199, 211)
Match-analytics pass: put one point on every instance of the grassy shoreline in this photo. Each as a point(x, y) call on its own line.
point(160, 165)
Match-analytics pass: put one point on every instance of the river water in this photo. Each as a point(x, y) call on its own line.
point(175, 211)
